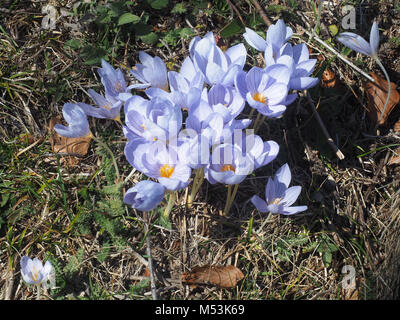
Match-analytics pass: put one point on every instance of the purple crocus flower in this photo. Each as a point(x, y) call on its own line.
point(33, 271)
point(226, 101)
point(228, 165)
point(265, 90)
point(278, 196)
point(276, 36)
point(145, 195)
point(78, 125)
point(114, 83)
point(155, 119)
point(106, 109)
point(151, 72)
point(296, 58)
point(359, 44)
point(167, 166)
point(213, 63)
point(261, 152)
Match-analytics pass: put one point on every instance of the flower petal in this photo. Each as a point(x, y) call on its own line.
point(259, 203)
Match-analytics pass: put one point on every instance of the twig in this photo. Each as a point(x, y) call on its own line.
point(312, 35)
point(150, 261)
point(262, 13)
point(233, 7)
point(335, 149)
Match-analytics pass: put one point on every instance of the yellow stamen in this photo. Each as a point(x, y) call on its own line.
point(259, 97)
point(34, 274)
point(143, 126)
point(228, 167)
point(166, 171)
point(275, 201)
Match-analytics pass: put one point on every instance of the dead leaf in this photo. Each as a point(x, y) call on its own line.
point(220, 276)
point(377, 95)
point(73, 147)
point(395, 158)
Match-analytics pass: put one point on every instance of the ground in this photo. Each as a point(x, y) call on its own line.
point(70, 211)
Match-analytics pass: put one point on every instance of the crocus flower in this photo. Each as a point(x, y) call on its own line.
point(213, 63)
point(166, 165)
point(226, 101)
point(151, 72)
point(114, 82)
point(106, 109)
point(228, 165)
point(33, 271)
point(261, 152)
point(77, 121)
point(359, 44)
point(263, 91)
point(155, 119)
point(296, 59)
point(278, 196)
point(145, 195)
point(276, 36)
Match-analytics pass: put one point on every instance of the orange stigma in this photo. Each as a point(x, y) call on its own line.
point(166, 171)
point(259, 97)
point(228, 167)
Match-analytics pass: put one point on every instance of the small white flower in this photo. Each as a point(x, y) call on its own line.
point(33, 271)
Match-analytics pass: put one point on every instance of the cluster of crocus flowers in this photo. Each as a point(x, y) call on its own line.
point(190, 121)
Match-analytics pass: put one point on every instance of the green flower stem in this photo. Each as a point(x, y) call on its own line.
point(197, 182)
point(251, 113)
point(260, 119)
point(38, 292)
point(170, 204)
point(104, 145)
point(231, 194)
point(389, 88)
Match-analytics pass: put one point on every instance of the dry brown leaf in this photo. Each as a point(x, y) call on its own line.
point(75, 147)
point(220, 276)
point(377, 95)
point(395, 158)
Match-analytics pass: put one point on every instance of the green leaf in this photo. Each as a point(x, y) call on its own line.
point(186, 33)
point(73, 44)
point(333, 29)
point(128, 18)
point(158, 4)
point(233, 28)
point(327, 258)
point(150, 38)
point(179, 8)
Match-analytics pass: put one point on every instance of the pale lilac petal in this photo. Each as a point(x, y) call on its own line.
point(259, 203)
point(283, 175)
point(237, 54)
point(303, 83)
point(254, 40)
point(293, 210)
point(374, 38)
point(276, 93)
point(355, 42)
point(291, 195)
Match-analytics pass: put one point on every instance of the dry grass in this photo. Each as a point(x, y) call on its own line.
point(53, 211)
